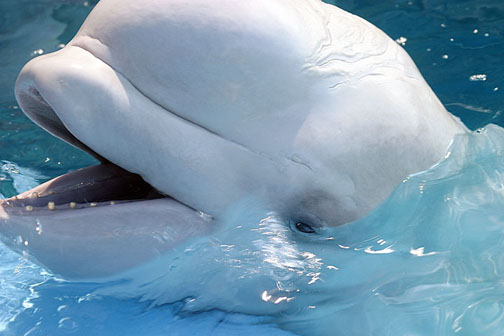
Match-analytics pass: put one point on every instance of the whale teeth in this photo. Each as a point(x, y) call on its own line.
point(50, 192)
point(93, 204)
point(16, 197)
point(35, 194)
point(51, 206)
point(29, 208)
point(72, 205)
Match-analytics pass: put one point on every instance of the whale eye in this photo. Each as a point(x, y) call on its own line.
point(302, 227)
point(305, 228)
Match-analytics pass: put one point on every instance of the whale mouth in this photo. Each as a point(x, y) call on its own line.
point(102, 184)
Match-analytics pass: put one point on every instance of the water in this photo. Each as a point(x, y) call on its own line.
point(427, 262)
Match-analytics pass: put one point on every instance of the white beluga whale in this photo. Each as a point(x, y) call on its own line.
point(193, 106)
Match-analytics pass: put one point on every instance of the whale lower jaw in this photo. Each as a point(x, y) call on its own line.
point(101, 243)
point(96, 223)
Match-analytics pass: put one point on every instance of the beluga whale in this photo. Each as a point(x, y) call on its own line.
point(195, 106)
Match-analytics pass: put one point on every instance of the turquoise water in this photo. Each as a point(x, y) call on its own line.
point(427, 262)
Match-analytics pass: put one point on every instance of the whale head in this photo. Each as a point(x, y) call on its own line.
point(193, 107)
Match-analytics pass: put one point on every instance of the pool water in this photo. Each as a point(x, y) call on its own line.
point(428, 261)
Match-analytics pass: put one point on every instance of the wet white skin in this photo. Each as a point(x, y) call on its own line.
point(298, 104)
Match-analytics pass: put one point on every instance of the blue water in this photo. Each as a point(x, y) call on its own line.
point(427, 262)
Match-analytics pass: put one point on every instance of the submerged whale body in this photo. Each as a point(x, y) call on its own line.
point(193, 107)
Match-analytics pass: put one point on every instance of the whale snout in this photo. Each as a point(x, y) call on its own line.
point(58, 91)
point(98, 221)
